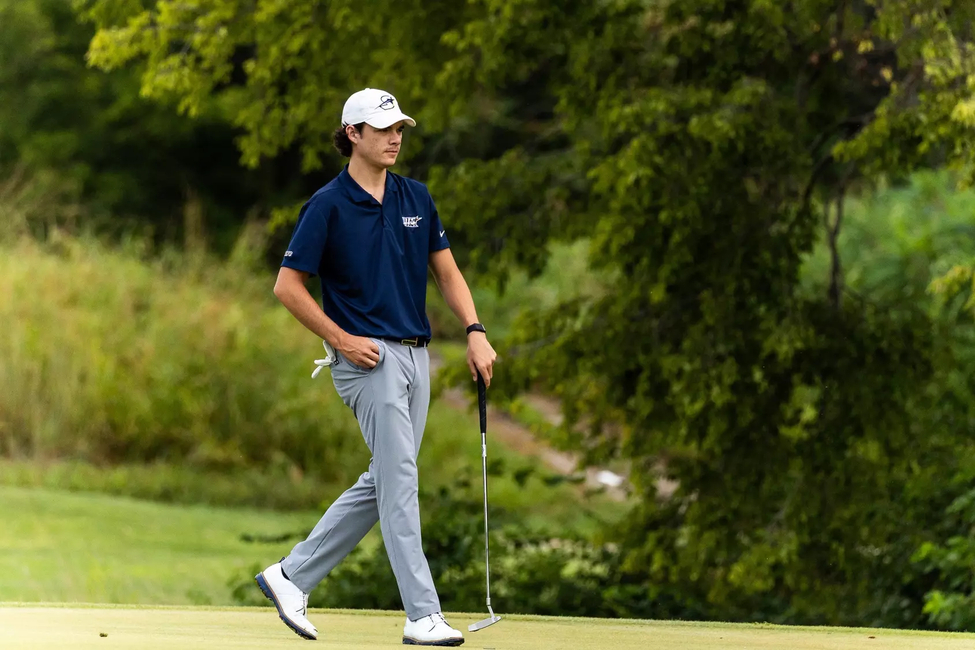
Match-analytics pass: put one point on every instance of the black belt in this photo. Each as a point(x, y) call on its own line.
point(415, 342)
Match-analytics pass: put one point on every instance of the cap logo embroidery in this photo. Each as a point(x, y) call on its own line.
point(388, 103)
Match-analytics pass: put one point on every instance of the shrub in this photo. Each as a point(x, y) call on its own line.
point(175, 483)
point(112, 358)
point(531, 572)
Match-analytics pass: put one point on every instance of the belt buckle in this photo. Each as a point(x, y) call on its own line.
point(411, 342)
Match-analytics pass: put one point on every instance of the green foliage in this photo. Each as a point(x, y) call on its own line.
point(268, 67)
point(531, 572)
point(272, 489)
point(566, 276)
point(929, 111)
point(181, 379)
point(949, 604)
point(113, 365)
point(896, 242)
point(89, 137)
point(697, 146)
point(897, 239)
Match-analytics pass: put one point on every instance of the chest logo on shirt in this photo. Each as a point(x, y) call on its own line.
point(412, 222)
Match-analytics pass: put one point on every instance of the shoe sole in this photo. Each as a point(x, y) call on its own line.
point(266, 589)
point(443, 643)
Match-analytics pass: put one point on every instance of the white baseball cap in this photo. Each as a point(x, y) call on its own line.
point(377, 108)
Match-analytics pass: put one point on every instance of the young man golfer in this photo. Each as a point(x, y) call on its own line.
point(370, 235)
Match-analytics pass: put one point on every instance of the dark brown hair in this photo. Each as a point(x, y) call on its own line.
point(341, 139)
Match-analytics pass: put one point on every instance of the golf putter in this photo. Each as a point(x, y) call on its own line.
point(482, 407)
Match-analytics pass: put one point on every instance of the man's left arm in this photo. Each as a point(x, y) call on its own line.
point(480, 354)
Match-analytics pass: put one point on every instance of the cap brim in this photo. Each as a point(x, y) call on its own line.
point(389, 118)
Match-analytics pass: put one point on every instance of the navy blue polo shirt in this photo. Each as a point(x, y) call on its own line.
point(371, 257)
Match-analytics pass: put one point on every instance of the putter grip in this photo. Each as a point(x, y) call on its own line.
point(482, 402)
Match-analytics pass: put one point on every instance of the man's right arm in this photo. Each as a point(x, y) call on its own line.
point(291, 291)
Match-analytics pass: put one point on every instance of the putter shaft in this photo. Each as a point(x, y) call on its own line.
point(482, 408)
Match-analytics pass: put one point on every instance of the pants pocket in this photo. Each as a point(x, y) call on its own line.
point(382, 357)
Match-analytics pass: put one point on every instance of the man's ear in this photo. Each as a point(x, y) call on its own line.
point(351, 132)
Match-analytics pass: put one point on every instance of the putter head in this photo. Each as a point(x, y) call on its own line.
point(480, 625)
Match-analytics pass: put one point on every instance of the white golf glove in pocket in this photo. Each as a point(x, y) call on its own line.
point(330, 359)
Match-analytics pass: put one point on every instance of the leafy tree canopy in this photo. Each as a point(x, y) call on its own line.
point(699, 145)
point(83, 136)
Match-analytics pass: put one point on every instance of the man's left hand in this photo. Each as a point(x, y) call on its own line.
point(480, 356)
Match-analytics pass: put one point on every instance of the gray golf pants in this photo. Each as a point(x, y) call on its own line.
point(390, 402)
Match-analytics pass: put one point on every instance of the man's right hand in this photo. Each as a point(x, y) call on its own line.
point(359, 350)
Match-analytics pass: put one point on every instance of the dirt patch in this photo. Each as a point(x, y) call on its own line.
point(516, 436)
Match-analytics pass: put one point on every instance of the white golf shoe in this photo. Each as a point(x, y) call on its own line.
point(292, 602)
point(431, 630)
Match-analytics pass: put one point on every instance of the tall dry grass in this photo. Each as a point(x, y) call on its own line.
point(109, 356)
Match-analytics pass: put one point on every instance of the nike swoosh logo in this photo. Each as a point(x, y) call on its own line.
point(442, 232)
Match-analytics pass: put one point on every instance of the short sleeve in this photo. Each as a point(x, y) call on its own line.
point(438, 234)
point(308, 240)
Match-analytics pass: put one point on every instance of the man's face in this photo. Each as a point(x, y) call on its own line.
point(378, 147)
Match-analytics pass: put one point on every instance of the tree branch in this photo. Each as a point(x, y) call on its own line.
point(832, 237)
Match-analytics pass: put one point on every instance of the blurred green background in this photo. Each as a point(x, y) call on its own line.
point(725, 249)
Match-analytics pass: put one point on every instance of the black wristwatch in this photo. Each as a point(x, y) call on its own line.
point(476, 327)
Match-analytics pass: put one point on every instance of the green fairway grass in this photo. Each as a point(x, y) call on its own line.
point(42, 627)
point(60, 546)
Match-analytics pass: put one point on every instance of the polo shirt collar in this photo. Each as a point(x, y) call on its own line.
point(355, 191)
